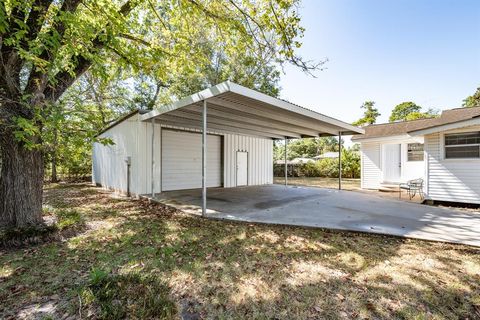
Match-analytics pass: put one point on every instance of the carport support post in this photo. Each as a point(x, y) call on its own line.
point(153, 158)
point(285, 159)
point(204, 158)
point(339, 160)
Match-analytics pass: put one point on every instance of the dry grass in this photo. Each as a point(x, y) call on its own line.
point(331, 183)
point(226, 270)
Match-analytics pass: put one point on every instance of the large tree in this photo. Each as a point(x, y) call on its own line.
point(46, 45)
point(407, 111)
point(403, 110)
point(473, 100)
point(370, 114)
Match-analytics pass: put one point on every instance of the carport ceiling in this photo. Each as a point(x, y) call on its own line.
point(232, 108)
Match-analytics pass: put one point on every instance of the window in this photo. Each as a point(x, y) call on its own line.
point(462, 145)
point(415, 152)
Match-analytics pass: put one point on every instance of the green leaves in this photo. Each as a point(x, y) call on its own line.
point(473, 100)
point(76, 65)
point(406, 111)
point(27, 132)
point(370, 114)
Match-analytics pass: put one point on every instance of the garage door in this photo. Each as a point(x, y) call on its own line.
point(182, 160)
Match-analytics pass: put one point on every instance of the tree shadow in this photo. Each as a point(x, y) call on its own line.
point(222, 269)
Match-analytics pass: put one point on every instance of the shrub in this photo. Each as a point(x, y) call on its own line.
point(325, 168)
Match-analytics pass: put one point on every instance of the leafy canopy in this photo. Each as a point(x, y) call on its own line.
point(407, 111)
point(401, 111)
point(370, 114)
point(46, 46)
point(473, 100)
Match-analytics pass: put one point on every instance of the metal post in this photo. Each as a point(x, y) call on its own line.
point(286, 168)
point(339, 160)
point(204, 158)
point(153, 158)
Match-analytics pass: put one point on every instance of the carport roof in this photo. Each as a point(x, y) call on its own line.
point(233, 108)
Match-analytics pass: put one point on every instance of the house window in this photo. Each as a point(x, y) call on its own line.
point(462, 145)
point(415, 152)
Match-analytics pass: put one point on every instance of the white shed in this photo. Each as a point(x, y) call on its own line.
point(220, 137)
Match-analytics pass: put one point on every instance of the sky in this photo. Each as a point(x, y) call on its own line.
point(386, 51)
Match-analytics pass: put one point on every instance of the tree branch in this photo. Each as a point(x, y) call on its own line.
point(65, 79)
point(37, 79)
point(36, 19)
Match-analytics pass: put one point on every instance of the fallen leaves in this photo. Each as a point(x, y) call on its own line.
point(235, 270)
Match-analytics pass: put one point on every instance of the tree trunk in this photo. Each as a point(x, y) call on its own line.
point(21, 184)
point(54, 167)
point(54, 157)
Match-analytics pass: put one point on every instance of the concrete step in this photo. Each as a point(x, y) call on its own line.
point(388, 187)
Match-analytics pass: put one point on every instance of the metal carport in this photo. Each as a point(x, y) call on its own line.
point(231, 108)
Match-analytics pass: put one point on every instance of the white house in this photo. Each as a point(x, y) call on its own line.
point(220, 137)
point(444, 151)
point(327, 155)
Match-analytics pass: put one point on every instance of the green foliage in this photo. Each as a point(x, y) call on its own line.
point(87, 107)
point(430, 113)
point(370, 114)
point(305, 148)
point(473, 100)
point(67, 218)
point(76, 65)
point(406, 111)
point(327, 167)
point(350, 163)
point(402, 110)
point(127, 295)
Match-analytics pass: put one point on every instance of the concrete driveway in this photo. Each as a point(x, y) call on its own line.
point(333, 209)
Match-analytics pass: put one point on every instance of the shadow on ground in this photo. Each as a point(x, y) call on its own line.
point(217, 269)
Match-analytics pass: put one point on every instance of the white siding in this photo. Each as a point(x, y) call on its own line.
point(371, 174)
point(260, 159)
point(133, 138)
point(451, 179)
point(411, 169)
point(143, 180)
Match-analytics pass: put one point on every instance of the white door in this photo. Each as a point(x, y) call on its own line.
point(182, 160)
point(392, 162)
point(242, 168)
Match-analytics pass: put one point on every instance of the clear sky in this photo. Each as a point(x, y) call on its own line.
point(387, 51)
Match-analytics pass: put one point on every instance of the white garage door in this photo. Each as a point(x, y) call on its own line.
point(182, 160)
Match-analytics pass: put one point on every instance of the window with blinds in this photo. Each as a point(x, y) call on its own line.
point(462, 145)
point(415, 152)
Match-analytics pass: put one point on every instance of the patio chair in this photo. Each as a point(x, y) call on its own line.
point(413, 187)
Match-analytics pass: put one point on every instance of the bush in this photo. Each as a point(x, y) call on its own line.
point(325, 168)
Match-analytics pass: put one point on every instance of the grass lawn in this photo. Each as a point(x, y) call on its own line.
point(138, 260)
point(347, 184)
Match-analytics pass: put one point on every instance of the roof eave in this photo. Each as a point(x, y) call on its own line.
point(445, 127)
point(228, 86)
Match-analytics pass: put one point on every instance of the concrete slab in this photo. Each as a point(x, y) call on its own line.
point(333, 209)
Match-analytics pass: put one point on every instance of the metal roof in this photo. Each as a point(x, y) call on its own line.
point(233, 108)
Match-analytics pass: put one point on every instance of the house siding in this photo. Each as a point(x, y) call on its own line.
point(260, 159)
point(456, 180)
point(371, 165)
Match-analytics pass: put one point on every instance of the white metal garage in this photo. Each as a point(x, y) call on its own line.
point(221, 136)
